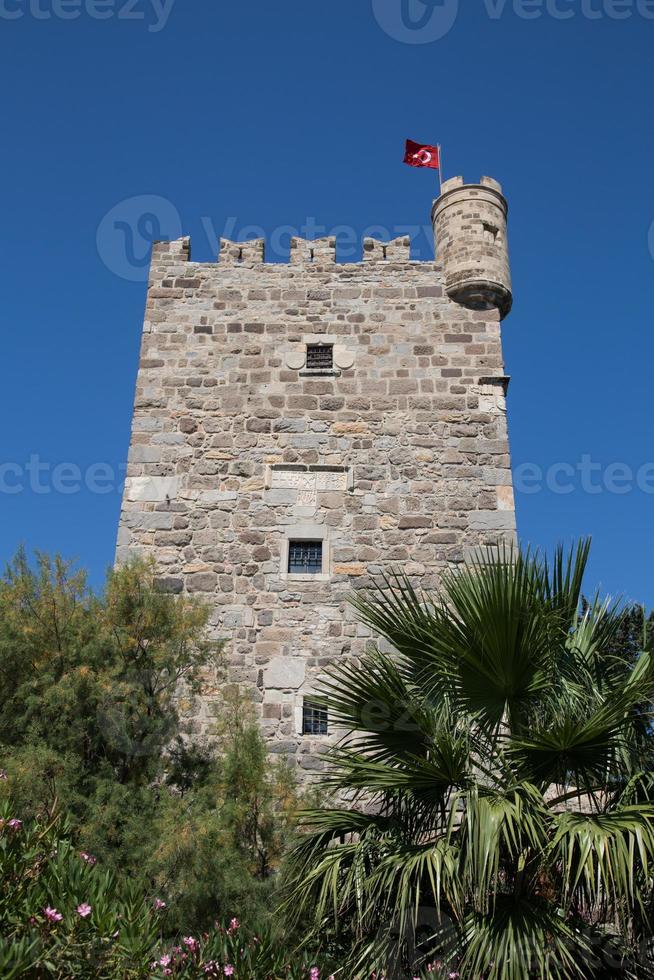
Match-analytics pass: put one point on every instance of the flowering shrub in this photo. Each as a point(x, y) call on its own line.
point(230, 952)
point(62, 915)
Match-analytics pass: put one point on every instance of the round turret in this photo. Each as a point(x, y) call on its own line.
point(471, 243)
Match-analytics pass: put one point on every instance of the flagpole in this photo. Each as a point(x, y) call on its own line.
point(440, 166)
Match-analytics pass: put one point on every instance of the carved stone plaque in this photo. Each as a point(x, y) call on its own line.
point(292, 480)
point(308, 483)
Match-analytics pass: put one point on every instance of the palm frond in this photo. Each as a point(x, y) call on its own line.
point(496, 825)
point(376, 699)
point(498, 765)
point(599, 855)
point(522, 939)
point(446, 766)
point(562, 585)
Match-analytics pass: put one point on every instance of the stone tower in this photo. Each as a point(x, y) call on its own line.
point(300, 427)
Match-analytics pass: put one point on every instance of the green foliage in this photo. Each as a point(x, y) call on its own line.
point(60, 916)
point(96, 680)
point(220, 844)
point(96, 693)
point(63, 916)
point(502, 820)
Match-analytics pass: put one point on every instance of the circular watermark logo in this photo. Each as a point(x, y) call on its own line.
point(416, 21)
point(126, 233)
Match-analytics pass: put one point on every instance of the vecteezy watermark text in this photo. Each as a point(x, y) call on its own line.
point(153, 13)
point(127, 231)
point(426, 21)
point(585, 476)
point(40, 477)
point(569, 9)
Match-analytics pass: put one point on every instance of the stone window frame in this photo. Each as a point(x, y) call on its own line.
point(309, 372)
point(306, 532)
point(344, 355)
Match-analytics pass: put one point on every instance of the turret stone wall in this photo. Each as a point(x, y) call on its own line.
point(394, 455)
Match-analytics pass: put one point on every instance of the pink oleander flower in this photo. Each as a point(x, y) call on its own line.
point(84, 910)
point(314, 973)
point(3, 774)
point(233, 925)
point(52, 915)
point(14, 823)
point(88, 858)
point(228, 970)
point(191, 943)
point(159, 905)
point(165, 960)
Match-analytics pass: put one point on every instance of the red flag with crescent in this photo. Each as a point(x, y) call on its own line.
point(422, 155)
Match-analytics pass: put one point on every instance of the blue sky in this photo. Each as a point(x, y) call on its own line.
point(209, 116)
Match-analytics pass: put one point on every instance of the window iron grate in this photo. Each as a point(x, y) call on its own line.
point(305, 557)
point(320, 357)
point(315, 720)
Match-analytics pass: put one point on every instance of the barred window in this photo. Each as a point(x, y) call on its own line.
point(320, 357)
point(314, 717)
point(305, 557)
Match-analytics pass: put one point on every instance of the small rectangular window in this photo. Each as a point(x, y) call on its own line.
point(305, 557)
point(320, 357)
point(314, 717)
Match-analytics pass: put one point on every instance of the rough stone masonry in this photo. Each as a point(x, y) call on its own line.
point(300, 427)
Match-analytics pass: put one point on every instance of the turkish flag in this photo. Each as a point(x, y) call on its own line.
point(420, 155)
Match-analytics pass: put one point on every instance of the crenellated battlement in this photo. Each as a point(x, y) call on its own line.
point(318, 251)
point(307, 252)
point(397, 250)
point(247, 253)
point(472, 258)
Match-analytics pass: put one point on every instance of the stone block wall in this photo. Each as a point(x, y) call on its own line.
point(396, 457)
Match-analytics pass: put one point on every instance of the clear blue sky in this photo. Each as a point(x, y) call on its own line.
point(253, 112)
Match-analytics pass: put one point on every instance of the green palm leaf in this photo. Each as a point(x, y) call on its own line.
point(494, 778)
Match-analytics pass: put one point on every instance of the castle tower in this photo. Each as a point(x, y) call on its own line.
point(470, 229)
point(299, 428)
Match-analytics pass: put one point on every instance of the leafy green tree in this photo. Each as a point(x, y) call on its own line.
point(220, 845)
point(96, 680)
point(91, 727)
point(632, 634)
point(498, 808)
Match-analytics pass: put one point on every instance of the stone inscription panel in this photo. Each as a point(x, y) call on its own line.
point(309, 483)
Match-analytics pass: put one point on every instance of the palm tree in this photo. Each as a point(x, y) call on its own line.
point(496, 809)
